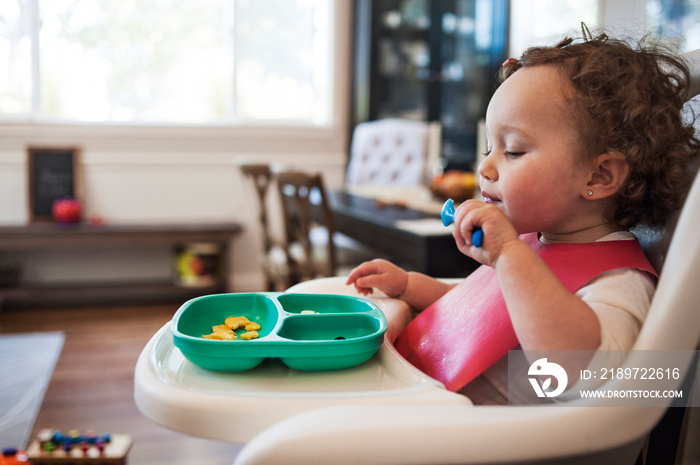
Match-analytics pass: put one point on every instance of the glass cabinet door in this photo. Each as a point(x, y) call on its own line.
point(402, 59)
point(473, 44)
point(429, 60)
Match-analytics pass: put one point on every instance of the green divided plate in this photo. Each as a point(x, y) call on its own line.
point(341, 332)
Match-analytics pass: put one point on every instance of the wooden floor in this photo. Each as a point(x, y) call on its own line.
point(93, 384)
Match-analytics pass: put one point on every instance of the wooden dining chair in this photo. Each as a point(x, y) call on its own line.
point(262, 178)
point(306, 215)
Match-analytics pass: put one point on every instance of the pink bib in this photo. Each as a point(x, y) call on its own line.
point(468, 329)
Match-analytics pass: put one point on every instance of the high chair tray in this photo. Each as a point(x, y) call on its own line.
point(309, 332)
point(236, 406)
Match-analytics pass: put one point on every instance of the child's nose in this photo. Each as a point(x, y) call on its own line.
point(487, 169)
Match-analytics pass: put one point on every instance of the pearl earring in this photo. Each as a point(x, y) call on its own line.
point(590, 193)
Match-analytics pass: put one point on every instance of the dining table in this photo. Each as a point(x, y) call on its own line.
point(402, 224)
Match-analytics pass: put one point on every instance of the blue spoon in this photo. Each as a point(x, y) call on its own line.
point(447, 215)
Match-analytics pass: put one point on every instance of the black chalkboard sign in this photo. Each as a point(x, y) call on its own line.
point(53, 174)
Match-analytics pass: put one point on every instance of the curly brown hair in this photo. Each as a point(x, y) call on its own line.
point(628, 100)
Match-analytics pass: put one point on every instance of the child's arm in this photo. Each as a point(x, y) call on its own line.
point(545, 315)
point(416, 289)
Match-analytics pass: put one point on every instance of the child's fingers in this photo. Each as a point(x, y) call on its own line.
point(362, 269)
point(495, 225)
point(467, 220)
point(378, 274)
point(367, 282)
point(364, 277)
point(364, 290)
point(356, 273)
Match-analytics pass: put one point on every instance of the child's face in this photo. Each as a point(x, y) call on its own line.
point(532, 171)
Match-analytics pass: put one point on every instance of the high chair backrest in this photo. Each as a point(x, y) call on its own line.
point(675, 252)
point(389, 152)
point(674, 309)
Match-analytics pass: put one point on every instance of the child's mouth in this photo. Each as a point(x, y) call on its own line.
point(489, 199)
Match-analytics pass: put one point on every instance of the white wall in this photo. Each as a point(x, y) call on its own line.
point(169, 174)
point(125, 183)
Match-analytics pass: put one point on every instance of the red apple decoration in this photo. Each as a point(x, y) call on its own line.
point(66, 210)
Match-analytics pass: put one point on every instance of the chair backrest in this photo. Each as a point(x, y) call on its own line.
point(304, 206)
point(389, 152)
point(261, 177)
point(675, 251)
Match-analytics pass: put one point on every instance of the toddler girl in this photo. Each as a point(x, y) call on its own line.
point(585, 141)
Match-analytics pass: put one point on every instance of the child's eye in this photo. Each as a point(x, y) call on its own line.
point(487, 153)
point(510, 154)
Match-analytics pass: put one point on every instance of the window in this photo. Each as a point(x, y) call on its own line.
point(167, 61)
point(538, 22)
point(676, 22)
point(543, 22)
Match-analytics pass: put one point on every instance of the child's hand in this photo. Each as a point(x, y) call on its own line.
point(379, 274)
point(497, 229)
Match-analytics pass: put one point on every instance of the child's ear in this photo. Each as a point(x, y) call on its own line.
point(608, 174)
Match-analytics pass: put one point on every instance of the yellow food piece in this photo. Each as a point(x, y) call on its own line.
point(235, 322)
point(225, 332)
point(250, 335)
point(221, 335)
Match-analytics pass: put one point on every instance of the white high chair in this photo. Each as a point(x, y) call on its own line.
point(385, 411)
point(583, 432)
